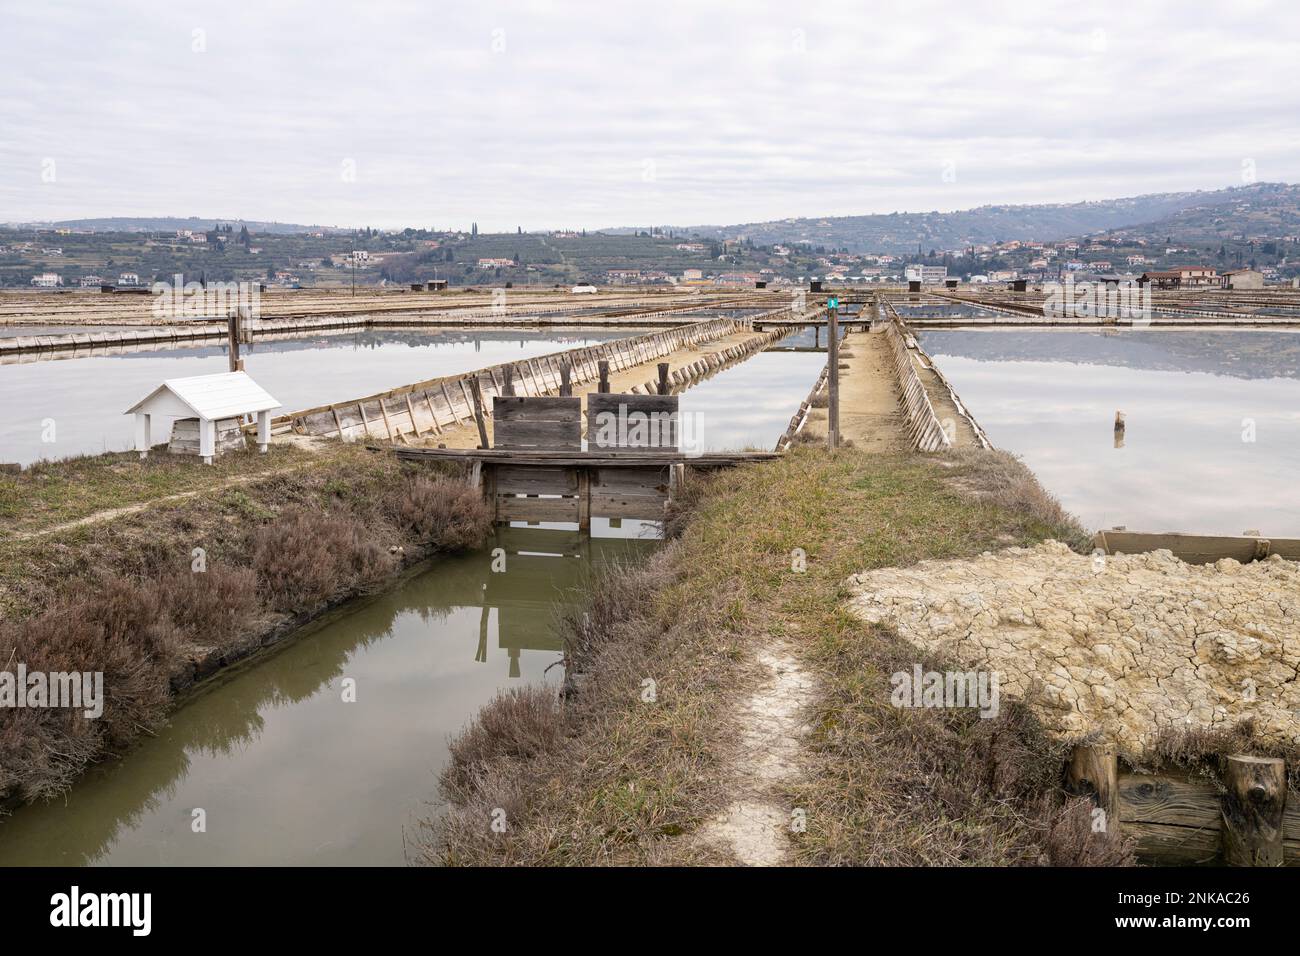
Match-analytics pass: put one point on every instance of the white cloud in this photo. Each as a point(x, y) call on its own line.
point(749, 111)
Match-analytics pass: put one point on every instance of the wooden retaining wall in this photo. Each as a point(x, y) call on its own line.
point(1177, 818)
point(923, 427)
point(800, 417)
point(1198, 548)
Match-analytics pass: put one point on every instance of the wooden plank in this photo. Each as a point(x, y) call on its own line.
point(644, 507)
point(631, 481)
point(544, 408)
point(513, 479)
point(551, 436)
point(536, 509)
point(1197, 548)
point(644, 421)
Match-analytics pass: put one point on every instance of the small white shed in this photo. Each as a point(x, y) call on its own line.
point(210, 399)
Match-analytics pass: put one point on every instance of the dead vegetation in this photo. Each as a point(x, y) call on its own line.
point(610, 777)
point(127, 597)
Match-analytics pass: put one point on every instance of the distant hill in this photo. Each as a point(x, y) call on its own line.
point(1263, 210)
point(172, 223)
point(1238, 210)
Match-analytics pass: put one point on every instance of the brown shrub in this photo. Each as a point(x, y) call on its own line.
point(306, 559)
point(443, 513)
point(213, 606)
point(120, 628)
point(516, 725)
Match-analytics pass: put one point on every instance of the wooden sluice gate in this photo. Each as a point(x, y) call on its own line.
point(539, 471)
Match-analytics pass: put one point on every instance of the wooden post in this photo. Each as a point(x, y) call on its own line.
point(477, 391)
point(833, 364)
point(663, 378)
point(566, 378)
point(232, 337)
point(584, 499)
point(1094, 772)
point(508, 374)
point(603, 365)
point(1252, 811)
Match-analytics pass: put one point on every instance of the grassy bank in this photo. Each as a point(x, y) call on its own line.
point(161, 597)
point(611, 777)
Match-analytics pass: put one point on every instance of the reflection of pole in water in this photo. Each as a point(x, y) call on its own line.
point(1119, 429)
point(481, 654)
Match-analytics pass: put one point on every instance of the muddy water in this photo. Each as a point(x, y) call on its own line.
point(85, 398)
point(1212, 420)
point(285, 770)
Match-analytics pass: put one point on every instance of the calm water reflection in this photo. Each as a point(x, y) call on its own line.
point(86, 397)
point(1189, 397)
point(289, 773)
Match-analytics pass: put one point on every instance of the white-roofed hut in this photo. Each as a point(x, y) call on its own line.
point(212, 406)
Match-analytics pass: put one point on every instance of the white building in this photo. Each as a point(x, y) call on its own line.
point(47, 280)
point(128, 278)
point(204, 404)
point(926, 275)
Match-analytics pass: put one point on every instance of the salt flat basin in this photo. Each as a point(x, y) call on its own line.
point(85, 397)
point(1211, 443)
point(286, 771)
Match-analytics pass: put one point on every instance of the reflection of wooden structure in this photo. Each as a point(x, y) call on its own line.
point(539, 567)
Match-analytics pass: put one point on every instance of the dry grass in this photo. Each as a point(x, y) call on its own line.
point(609, 778)
point(122, 598)
point(1000, 479)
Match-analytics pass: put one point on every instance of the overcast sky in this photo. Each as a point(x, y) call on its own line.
point(577, 114)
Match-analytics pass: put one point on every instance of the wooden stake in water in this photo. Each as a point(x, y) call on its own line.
point(833, 378)
point(232, 335)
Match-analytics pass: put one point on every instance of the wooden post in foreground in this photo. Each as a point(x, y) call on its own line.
point(1094, 772)
point(603, 367)
point(566, 377)
point(663, 378)
point(833, 380)
point(508, 387)
point(232, 338)
point(477, 391)
point(1252, 811)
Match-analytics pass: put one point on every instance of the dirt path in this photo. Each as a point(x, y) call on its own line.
point(870, 415)
point(755, 826)
point(233, 481)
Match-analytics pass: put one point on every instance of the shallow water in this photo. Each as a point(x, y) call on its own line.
point(1212, 420)
point(85, 398)
point(284, 769)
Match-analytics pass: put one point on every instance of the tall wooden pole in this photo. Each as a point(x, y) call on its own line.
point(833, 379)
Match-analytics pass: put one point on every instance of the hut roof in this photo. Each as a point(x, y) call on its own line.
point(223, 395)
